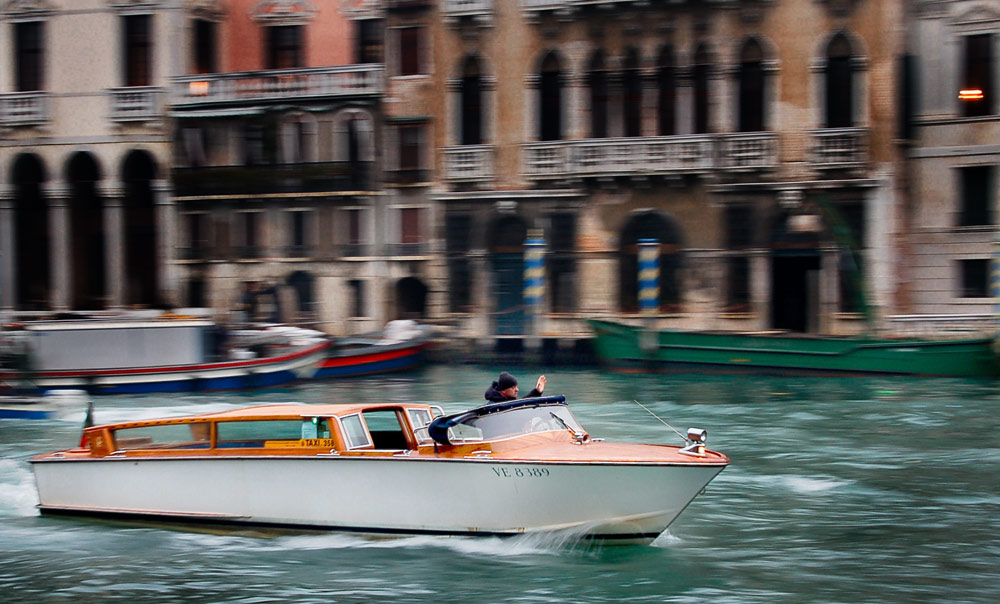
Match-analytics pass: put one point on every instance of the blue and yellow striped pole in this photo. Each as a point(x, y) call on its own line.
point(649, 276)
point(534, 277)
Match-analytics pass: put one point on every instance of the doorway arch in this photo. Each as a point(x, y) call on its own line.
point(411, 298)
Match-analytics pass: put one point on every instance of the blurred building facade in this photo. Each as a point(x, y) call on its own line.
point(377, 159)
point(953, 150)
point(86, 215)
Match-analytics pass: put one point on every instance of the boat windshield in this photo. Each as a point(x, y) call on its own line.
point(514, 422)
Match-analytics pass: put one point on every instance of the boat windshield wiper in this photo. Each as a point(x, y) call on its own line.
point(579, 436)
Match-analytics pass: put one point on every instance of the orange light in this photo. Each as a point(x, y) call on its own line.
point(198, 88)
point(972, 94)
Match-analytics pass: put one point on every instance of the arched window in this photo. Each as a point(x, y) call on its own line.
point(699, 83)
point(472, 103)
point(632, 94)
point(751, 75)
point(550, 99)
point(597, 82)
point(666, 80)
point(839, 84)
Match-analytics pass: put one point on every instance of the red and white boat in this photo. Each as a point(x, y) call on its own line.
point(509, 468)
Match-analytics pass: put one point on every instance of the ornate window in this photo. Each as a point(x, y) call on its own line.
point(839, 83)
point(700, 73)
point(472, 103)
point(632, 94)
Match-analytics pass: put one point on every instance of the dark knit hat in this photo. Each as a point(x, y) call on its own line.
point(506, 381)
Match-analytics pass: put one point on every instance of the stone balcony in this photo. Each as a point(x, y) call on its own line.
point(839, 148)
point(468, 163)
point(747, 151)
point(567, 6)
point(610, 157)
point(273, 85)
point(136, 104)
point(24, 109)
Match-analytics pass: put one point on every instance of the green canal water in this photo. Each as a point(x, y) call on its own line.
point(840, 490)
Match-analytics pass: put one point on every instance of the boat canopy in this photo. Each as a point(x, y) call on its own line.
point(505, 419)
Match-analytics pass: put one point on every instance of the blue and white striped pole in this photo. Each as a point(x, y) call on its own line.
point(995, 292)
point(649, 276)
point(534, 278)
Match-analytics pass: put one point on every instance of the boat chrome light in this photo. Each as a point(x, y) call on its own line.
point(696, 442)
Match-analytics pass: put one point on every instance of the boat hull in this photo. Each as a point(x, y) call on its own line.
point(372, 359)
point(630, 348)
point(391, 495)
point(227, 375)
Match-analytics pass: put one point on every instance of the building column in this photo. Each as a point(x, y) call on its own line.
point(113, 195)
point(57, 194)
point(8, 243)
point(166, 238)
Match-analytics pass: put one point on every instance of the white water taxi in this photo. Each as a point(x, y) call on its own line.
point(507, 468)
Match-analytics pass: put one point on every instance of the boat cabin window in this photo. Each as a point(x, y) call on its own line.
point(354, 430)
point(514, 422)
point(420, 419)
point(164, 436)
point(386, 429)
point(269, 433)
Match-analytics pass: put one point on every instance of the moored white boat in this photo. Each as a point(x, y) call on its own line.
point(504, 469)
point(128, 355)
point(56, 404)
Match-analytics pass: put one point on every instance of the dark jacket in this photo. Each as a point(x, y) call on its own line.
point(493, 394)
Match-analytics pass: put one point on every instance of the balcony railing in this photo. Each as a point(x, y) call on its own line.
point(136, 104)
point(24, 109)
point(839, 148)
point(468, 163)
point(354, 250)
point(619, 157)
point(748, 151)
point(407, 249)
point(277, 84)
point(277, 178)
point(481, 10)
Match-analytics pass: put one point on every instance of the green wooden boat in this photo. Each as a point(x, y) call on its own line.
point(631, 348)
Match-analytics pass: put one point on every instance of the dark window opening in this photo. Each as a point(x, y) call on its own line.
point(667, 93)
point(974, 278)
point(357, 288)
point(752, 88)
point(285, 47)
point(632, 99)
point(976, 185)
point(839, 84)
point(138, 50)
point(978, 75)
point(598, 83)
point(204, 47)
point(739, 226)
point(700, 85)
point(30, 60)
point(410, 39)
point(369, 41)
point(472, 104)
point(550, 89)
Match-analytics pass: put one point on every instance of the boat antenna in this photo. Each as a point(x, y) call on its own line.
point(661, 420)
